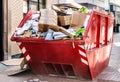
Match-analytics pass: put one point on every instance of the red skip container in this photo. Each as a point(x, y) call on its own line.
point(71, 58)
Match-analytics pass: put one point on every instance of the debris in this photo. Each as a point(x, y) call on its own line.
point(29, 25)
point(19, 55)
point(49, 35)
point(78, 19)
point(47, 18)
point(15, 62)
point(71, 35)
point(83, 9)
point(64, 20)
point(44, 23)
point(73, 4)
point(80, 32)
point(27, 33)
point(24, 81)
point(16, 70)
point(35, 80)
point(16, 66)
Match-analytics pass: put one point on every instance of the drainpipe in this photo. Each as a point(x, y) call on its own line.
point(28, 5)
point(38, 6)
point(109, 4)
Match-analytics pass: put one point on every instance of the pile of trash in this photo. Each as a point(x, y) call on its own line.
point(30, 27)
point(66, 21)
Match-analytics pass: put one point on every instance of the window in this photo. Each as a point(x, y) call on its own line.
point(33, 5)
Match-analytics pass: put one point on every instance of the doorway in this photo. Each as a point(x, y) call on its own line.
point(1, 30)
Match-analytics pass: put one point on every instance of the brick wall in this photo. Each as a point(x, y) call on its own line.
point(15, 14)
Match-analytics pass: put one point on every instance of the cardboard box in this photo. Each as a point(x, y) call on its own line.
point(47, 18)
point(64, 20)
point(78, 19)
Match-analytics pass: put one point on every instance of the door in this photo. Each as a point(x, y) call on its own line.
point(1, 30)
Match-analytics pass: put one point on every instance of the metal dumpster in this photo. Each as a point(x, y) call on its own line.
point(71, 58)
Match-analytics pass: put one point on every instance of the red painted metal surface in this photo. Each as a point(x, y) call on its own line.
point(72, 58)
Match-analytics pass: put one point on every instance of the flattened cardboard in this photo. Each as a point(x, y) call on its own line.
point(15, 62)
point(47, 18)
point(15, 70)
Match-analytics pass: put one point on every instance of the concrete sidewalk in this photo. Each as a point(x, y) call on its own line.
point(110, 74)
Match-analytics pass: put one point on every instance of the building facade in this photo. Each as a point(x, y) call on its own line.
point(12, 13)
point(115, 8)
